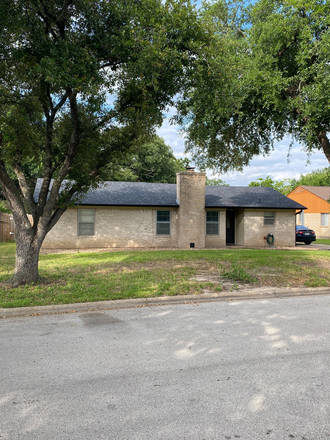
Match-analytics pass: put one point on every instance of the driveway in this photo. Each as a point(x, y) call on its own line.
point(249, 370)
point(315, 246)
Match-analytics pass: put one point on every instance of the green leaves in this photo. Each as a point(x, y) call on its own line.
point(136, 51)
point(315, 178)
point(282, 186)
point(264, 75)
point(62, 62)
point(152, 161)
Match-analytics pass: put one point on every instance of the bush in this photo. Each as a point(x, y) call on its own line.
point(238, 273)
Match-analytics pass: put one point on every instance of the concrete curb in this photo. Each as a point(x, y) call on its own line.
point(159, 301)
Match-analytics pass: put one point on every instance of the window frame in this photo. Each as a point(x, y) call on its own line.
point(301, 218)
point(212, 222)
point(162, 222)
point(271, 218)
point(79, 222)
point(325, 215)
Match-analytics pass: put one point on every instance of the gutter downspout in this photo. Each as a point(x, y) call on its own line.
point(299, 212)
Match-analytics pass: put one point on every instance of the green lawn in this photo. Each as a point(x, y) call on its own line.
point(322, 241)
point(81, 277)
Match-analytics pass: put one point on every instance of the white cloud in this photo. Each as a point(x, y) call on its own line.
point(171, 135)
point(277, 165)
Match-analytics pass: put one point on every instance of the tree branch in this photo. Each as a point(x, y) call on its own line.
point(60, 104)
point(13, 196)
point(25, 188)
point(74, 140)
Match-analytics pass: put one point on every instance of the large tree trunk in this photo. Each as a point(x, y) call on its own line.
point(325, 144)
point(27, 257)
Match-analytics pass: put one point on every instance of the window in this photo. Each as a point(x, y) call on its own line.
point(269, 218)
point(324, 219)
point(212, 223)
point(86, 221)
point(163, 223)
point(301, 218)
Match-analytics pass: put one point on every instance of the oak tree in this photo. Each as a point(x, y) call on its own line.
point(265, 76)
point(81, 82)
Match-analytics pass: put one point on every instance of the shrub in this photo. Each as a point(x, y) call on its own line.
point(238, 273)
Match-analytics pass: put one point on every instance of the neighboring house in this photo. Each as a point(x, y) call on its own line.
point(183, 215)
point(316, 215)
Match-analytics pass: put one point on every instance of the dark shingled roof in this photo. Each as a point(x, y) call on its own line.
point(164, 194)
point(247, 197)
point(126, 194)
point(132, 194)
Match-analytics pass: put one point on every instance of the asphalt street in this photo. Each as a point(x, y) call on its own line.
point(248, 370)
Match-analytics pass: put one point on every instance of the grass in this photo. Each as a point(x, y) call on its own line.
point(82, 277)
point(323, 241)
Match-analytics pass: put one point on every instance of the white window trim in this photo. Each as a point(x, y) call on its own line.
point(301, 218)
point(325, 219)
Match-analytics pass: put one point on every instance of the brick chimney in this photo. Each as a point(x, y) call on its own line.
point(191, 198)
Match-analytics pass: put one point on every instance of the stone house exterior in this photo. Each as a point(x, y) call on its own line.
point(183, 215)
point(317, 213)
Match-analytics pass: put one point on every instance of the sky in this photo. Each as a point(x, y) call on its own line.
point(276, 165)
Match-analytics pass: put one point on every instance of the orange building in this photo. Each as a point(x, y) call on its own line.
point(316, 216)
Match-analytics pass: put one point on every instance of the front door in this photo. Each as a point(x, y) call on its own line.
point(230, 227)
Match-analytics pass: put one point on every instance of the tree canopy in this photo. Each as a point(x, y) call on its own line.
point(282, 186)
point(153, 161)
point(315, 178)
point(265, 76)
point(81, 83)
point(215, 181)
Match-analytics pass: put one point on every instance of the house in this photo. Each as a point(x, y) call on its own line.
point(183, 215)
point(316, 214)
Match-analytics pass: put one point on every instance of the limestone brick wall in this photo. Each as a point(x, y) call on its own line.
point(114, 227)
point(240, 224)
point(313, 221)
point(283, 230)
point(216, 241)
point(191, 222)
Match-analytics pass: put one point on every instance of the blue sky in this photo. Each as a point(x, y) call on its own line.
point(275, 165)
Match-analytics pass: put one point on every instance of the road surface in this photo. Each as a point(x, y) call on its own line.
point(245, 370)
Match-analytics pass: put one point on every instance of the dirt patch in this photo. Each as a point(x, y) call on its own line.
point(200, 266)
point(228, 288)
point(324, 264)
point(220, 283)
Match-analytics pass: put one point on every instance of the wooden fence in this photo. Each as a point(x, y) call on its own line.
point(7, 227)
